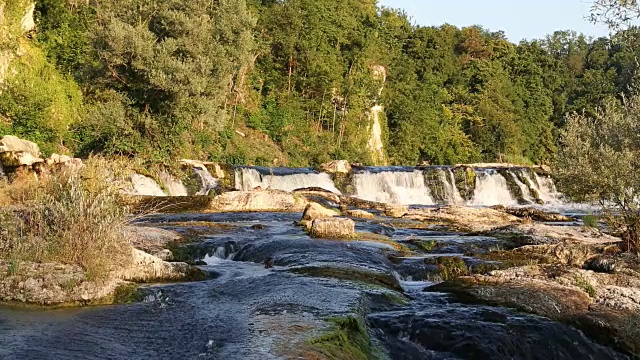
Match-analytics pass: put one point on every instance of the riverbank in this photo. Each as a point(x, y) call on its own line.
point(399, 271)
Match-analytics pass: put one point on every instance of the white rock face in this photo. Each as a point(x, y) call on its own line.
point(257, 201)
point(375, 144)
point(28, 23)
point(145, 186)
point(173, 186)
point(10, 143)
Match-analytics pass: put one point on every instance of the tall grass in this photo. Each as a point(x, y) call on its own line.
point(72, 216)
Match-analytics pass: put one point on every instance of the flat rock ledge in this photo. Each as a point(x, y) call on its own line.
point(234, 201)
point(53, 284)
point(605, 306)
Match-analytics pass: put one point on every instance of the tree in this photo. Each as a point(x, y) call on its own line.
point(600, 162)
point(616, 14)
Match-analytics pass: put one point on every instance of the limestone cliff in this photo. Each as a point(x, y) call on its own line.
point(16, 19)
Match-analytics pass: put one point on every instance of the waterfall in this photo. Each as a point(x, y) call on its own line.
point(207, 181)
point(394, 187)
point(543, 186)
point(452, 195)
point(526, 192)
point(547, 189)
point(491, 189)
point(375, 144)
point(250, 178)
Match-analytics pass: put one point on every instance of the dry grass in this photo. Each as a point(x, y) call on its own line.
point(72, 216)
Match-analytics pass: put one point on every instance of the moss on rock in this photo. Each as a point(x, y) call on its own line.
point(348, 339)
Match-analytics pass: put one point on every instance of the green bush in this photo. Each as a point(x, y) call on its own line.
point(39, 103)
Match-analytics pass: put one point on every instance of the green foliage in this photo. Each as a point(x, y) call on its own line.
point(173, 79)
point(39, 102)
point(599, 162)
point(585, 285)
point(451, 267)
point(591, 221)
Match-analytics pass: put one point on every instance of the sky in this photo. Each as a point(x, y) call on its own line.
point(519, 19)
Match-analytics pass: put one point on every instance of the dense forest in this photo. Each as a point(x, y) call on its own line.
point(294, 82)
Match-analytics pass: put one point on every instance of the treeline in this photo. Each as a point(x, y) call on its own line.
point(292, 82)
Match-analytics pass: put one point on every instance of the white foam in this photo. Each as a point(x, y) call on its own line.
point(393, 187)
point(491, 189)
point(249, 179)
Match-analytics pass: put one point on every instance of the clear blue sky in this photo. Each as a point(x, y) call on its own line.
point(519, 19)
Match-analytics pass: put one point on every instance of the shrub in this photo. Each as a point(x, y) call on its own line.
point(72, 217)
point(590, 221)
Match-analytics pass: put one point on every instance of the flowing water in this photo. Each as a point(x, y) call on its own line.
point(491, 189)
point(246, 311)
point(414, 185)
point(394, 187)
point(452, 194)
point(282, 179)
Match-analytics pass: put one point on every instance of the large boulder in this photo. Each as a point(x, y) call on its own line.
point(15, 152)
point(464, 218)
point(333, 228)
point(336, 167)
point(145, 186)
point(315, 211)
point(10, 143)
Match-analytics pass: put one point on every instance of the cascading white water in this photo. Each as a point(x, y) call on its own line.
point(452, 195)
point(526, 192)
point(207, 181)
point(249, 179)
point(393, 187)
point(547, 190)
point(491, 189)
point(545, 187)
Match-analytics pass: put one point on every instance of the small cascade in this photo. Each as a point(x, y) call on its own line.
point(442, 184)
point(452, 194)
point(393, 187)
point(547, 190)
point(251, 178)
point(207, 181)
point(543, 187)
point(526, 192)
point(491, 189)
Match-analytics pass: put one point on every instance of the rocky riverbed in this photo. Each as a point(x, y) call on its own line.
point(440, 283)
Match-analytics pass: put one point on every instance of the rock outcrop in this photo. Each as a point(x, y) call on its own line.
point(464, 218)
point(315, 211)
point(533, 233)
point(534, 214)
point(15, 152)
point(59, 284)
point(359, 214)
point(145, 186)
point(172, 186)
point(336, 167)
